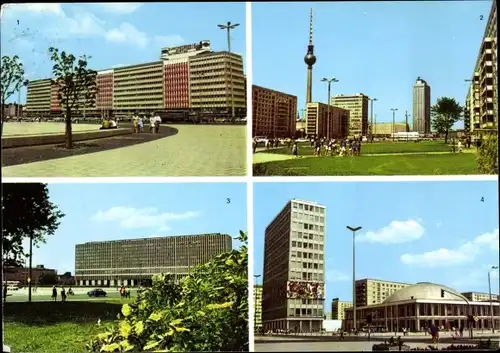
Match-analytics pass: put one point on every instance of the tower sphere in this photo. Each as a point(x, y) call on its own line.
point(310, 59)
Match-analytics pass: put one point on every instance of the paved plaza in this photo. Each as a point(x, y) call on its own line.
point(196, 150)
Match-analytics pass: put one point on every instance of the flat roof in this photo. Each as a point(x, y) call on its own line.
point(381, 280)
point(149, 238)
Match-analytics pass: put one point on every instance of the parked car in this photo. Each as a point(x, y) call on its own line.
point(96, 293)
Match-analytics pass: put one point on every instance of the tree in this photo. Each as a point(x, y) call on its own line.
point(487, 158)
point(76, 85)
point(205, 311)
point(445, 113)
point(27, 213)
point(12, 80)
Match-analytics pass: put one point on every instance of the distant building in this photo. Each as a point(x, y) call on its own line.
point(480, 297)
point(374, 291)
point(258, 307)
point(274, 113)
point(338, 308)
point(318, 124)
point(21, 274)
point(386, 129)
point(13, 110)
point(328, 316)
point(357, 105)
point(300, 128)
point(421, 107)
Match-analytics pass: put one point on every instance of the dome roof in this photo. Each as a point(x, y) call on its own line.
point(424, 290)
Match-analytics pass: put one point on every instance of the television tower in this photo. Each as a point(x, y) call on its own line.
point(310, 60)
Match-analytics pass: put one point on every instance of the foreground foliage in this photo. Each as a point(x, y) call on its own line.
point(487, 158)
point(12, 79)
point(206, 311)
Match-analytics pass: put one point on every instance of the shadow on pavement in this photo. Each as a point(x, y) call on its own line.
point(22, 155)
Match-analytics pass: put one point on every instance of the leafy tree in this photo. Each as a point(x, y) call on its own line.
point(205, 311)
point(445, 113)
point(75, 83)
point(27, 212)
point(47, 278)
point(487, 158)
point(12, 80)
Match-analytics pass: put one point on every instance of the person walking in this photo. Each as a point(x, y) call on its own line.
point(54, 293)
point(152, 122)
point(141, 124)
point(63, 294)
point(157, 123)
point(295, 150)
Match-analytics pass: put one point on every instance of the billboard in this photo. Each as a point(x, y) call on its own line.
point(304, 290)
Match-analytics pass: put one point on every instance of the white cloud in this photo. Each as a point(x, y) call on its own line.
point(121, 7)
point(129, 217)
point(117, 65)
point(49, 8)
point(127, 33)
point(335, 276)
point(167, 41)
point(396, 232)
point(465, 253)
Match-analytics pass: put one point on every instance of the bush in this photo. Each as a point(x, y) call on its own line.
point(487, 159)
point(206, 311)
point(460, 347)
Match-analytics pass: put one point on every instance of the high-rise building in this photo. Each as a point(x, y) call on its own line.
point(357, 105)
point(257, 307)
point(188, 81)
point(273, 113)
point(338, 308)
point(317, 122)
point(328, 316)
point(480, 297)
point(134, 261)
point(482, 95)
point(421, 107)
point(374, 291)
point(310, 60)
point(294, 273)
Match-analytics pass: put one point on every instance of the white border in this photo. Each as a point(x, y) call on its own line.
point(391, 179)
point(248, 55)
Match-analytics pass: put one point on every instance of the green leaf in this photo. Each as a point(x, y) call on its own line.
point(157, 316)
point(104, 335)
point(182, 329)
point(110, 347)
point(176, 322)
point(126, 346)
point(150, 345)
point(126, 310)
point(139, 327)
point(125, 329)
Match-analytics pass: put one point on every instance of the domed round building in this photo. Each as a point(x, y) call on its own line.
point(421, 305)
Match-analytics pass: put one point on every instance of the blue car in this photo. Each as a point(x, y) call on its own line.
point(96, 293)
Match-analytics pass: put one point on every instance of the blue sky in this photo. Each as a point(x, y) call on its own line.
point(412, 232)
point(378, 48)
point(98, 212)
point(114, 34)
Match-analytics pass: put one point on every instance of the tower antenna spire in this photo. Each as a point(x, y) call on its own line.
point(311, 27)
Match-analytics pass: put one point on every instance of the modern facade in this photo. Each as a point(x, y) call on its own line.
point(420, 305)
point(480, 297)
point(273, 113)
point(134, 261)
point(357, 105)
point(318, 124)
point(374, 291)
point(257, 307)
point(421, 107)
point(294, 273)
point(328, 316)
point(481, 107)
point(338, 308)
point(189, 80)
point(386, 129)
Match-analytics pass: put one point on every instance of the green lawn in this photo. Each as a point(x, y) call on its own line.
point(418, 164)
point(305, 149)
point(62, 337)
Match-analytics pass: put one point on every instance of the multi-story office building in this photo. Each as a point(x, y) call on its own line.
point(274, 113)
point(328, 316)
point(357, 105)
point(318, 124)
point(373, 291)
point(338, 308)
point(133, 261)
point(293, 280)
point(13, 109)
point(480, 297)
point(421, 107)
point(386, 129)
point(482, 96)
point(39, 97)
point(257, 307)
point(189, 80)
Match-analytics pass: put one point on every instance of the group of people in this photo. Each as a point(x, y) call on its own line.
point(154, 123)
point(63, 293)
point(334, 147)
point(109, 124)
point(124, 292)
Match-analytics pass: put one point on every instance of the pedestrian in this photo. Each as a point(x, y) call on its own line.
point(135, 122)
point(63, 294)
point(140, 124)
point(254, 145)
point(157, 123)
point(54, 293)
point(460, 150)
point(295, 150)
point(152, 122)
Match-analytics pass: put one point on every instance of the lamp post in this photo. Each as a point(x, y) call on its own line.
point(393, 121)
point(228, 27)
point(30, 269)
point(353, 230)
point(371, 117)
point(255, 303)
point(406, 126)
point(491, 300)
point(329, 81)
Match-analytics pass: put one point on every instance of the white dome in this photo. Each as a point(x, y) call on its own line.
point(424, 290)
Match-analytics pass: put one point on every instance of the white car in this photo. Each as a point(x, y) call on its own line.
point(302, 140)
point(261, 139)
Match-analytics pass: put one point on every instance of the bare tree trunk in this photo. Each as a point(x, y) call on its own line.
point(69, 134)
point(446, 137)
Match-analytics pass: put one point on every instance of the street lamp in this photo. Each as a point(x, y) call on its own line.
point(491, 301)
point(353, 230)
point(228, 27)
point(255, 303)
point(371, 117)
point(329, 81)
point(393, 121)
